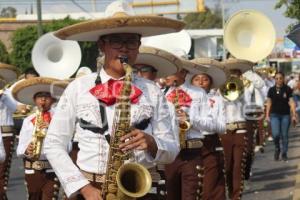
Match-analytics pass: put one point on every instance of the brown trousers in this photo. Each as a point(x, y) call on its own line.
point(235, 151)
point(42, 185)
point(5, 166)
point(184, 177)
point(198, 173)
point(213, 162)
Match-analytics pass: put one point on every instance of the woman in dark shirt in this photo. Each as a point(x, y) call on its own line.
point(280, 111)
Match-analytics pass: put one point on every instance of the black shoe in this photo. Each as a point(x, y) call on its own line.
point(284, 157)
point(276, 155)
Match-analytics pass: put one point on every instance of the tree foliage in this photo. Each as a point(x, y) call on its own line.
point(4, 57)
point(8, 12)
point(207, 20)
point(292, 10)
point(24, 39)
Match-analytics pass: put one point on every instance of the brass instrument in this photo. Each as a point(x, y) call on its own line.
point(233, 88)
point(39, 135)
point(269, 71)
point(130, 180)
point(183, 126)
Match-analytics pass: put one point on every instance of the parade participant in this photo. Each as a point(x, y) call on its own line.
point(235, 141)
point(280, 112)
point(212, 151)
point(184, 177)
point(40, 179)
point(87, 105)
point(150, 59)
point(8, 105)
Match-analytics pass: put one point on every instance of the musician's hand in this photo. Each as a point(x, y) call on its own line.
point(294, 120)
point(181, 116)
point(44, 125)
point(29, 150)
point(139, 140)
point(90, 193)
point(267, 118)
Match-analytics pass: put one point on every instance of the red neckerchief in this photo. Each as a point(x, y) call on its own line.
point(211, 102)
point(184, 98)
point(46, 117)
point(110, 91)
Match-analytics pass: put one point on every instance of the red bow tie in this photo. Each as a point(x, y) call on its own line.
point(46, 117)
point(184, 98)
point(110, 91)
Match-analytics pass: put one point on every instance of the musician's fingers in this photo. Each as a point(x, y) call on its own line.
point(140, 144)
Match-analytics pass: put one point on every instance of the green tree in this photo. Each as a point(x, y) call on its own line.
point(4, 57)
point(24, 39)
point(292, 9)
point(206, 20)
point(8, 12)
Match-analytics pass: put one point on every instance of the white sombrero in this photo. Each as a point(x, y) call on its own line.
point(25, 90)
point(119, 18)
point(214, 69)
point(233, 63)
point(8, 72)
point(164, 62)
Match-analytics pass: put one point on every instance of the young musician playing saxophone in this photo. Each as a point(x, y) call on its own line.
point(88, 105)
point(40, 179)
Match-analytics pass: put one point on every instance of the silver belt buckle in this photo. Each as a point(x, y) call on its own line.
point(37, 165)
point(194, 144)
point(231, 126)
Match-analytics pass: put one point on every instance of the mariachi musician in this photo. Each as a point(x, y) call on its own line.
point(184, 177)
point(8, 106)
point(40, 179)
point(212, 152)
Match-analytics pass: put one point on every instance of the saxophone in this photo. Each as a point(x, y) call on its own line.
point(183, 126)
point(39, 135)
point(123, 181)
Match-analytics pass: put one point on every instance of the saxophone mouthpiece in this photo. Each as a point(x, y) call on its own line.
point(123, 59)
point(175, 83)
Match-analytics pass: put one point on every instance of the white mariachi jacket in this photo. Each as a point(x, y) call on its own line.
point(78, 103)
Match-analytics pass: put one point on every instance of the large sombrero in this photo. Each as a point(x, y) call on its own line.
point(212, 68)
point(233, 63)
point(119, 18)
point(25, 90)
point(164, 62)
point(8, 73)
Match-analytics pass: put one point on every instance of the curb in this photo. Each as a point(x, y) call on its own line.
point(296, 194)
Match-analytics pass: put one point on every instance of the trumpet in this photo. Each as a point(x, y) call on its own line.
point(233, 88)
point(269, 71)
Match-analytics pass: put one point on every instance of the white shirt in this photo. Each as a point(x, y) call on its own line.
point(26, 136)
point(216, 112)
point(76, 103)
point(235, 111)
point(7, 107)
point(197, 111)
point(2, 150)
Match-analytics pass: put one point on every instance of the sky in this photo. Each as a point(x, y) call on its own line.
point(61, 6)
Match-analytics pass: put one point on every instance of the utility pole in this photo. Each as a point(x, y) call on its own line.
point(39, 18)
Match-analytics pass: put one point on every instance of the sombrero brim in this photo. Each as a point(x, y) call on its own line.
point(25, 90)
point(233, 63)
point(143, 25)
point(165, 63)
point(214, 69)
point(8, 72)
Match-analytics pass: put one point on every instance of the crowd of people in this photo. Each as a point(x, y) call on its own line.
point(194, 125)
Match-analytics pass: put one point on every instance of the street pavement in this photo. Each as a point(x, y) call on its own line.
point(271, 180)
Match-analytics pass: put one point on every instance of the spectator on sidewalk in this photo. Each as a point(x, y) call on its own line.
point(280, 112)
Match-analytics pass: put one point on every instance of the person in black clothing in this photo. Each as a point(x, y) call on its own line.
point(280, 112)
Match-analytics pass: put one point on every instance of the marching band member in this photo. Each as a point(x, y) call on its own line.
point(40, 179)
point(235, 141)
point(87, 105)
point(8, 106)
point(184, 177)
point(212, 151)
